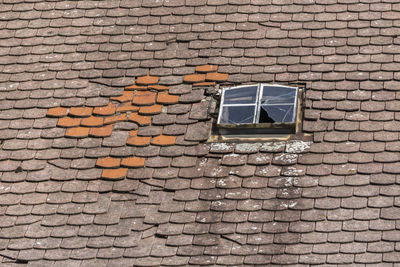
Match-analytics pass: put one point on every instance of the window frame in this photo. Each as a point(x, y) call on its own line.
point(257, 127)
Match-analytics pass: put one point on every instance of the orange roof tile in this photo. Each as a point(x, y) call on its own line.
point(133, 162)
point(117, 118)
point(125, 97)
point(138, 141)
point(150, 110)
point(68, 122)
point(141, 120)
point(92, 121)
point(78, 132)
point(163, 140)
point(206, 68)
point(105, 111)
point(135, 87)
point(57, 112)
point(101, 131)
point(114, 174)
point(144, 98)
point(147, 80)
point(215, 76)
point(127, 107)
point(165, 98)
point(81, 111)
point(194, 78)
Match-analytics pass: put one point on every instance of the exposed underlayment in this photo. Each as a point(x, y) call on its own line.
point(105, 115)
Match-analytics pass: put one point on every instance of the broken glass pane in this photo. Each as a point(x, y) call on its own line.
point(237, 114)
point(278, 95)
point(242, 95)
point(277, 113)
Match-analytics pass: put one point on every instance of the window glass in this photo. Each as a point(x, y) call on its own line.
point(278, 95)
point(277, 113)
point(237, 114)
point(242, 95)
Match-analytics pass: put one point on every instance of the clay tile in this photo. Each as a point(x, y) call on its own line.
point(108, 162)
point(206, 68)
point(101, 131)
point(105, 111)
point(135, 87)
point(215, 76)
point(144, 98)
point(159, 87)
point(165, 98)
point(125, 97)
point(163, 140)
point(127, 107)
point(147, 80)
point(81, 111)
point(138, 141)
point(78, 132)
point(57, 112)
point(141, 120)
point(68, 122)
point(114, 174)
point(150, 110)
point(133, 162)
point(194, 78)
point(92, 121)
point(133, 132)
point(113, 119)
point(204, 84)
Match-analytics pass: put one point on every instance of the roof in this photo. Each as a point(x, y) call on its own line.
point(105, 116)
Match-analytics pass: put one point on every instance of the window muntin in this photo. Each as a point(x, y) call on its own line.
point(261, 106)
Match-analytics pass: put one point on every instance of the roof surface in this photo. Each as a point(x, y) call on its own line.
point(104, 117)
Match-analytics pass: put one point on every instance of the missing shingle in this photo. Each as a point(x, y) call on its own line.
point(18, 170)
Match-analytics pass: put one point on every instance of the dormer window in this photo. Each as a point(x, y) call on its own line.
point(258, 109)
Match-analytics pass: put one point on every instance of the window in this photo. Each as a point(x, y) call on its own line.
point(258, 109)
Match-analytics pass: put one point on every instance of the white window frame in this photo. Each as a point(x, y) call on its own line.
point(257, 104)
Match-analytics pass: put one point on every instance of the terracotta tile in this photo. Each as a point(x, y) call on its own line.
point(133, 162)
point(150, 110)
point(57, 112)
point(206, 68)
point(68, 122)
point(117, 118)
point(101, 131)
point(194, 78)
point(141, 120)
point(159, 87)
point(125, 97)
point(135, 87)
point(108, 162)
point(127, 107)
point(105, 111)
point(204, 84)
point(215, 76)
point(81, 111)
point(138, 141)
point(144, 98)
point(78, 132)
point(165, 98)
point(114, 174)
point(163, 140)
point(92, 121)
point(147, 80)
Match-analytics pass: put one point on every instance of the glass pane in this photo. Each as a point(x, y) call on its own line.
point(278, 95)
point(237, 114)
point(276, 113)
point(242, 95)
